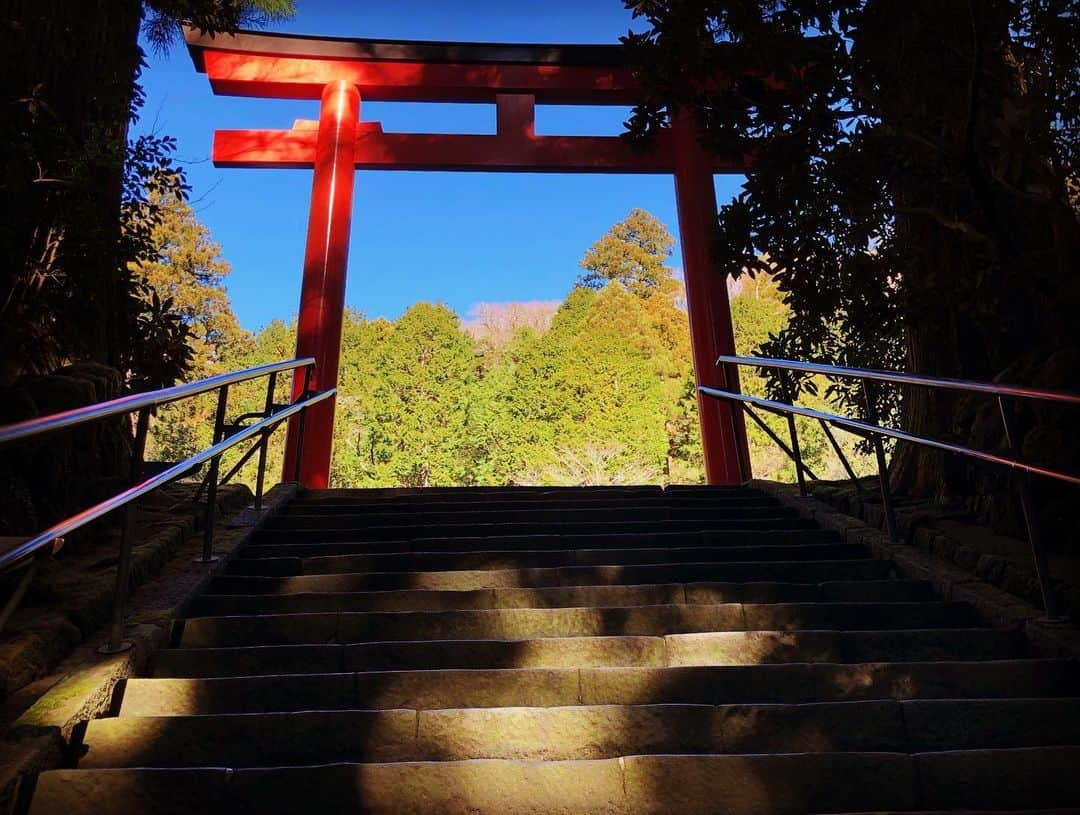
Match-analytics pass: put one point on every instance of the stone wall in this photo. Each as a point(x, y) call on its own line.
point(954, 534)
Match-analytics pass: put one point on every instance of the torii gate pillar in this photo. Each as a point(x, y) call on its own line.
point(723, 432)
point(322, 296)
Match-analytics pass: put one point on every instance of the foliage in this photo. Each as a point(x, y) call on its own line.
point(633, 252)
point(80, 194)
point(913, 166)
point(591, 465)
point(155, 352)
point(599, 392)
point(420, 427)
point(163, 19)
point(185, 277)
point(186, 267)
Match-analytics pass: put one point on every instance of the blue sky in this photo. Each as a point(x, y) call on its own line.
point(458, 238)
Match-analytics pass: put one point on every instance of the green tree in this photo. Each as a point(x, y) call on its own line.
point(355, 430)
point(520, 407)
point(186, 274)
point(911, 184)
point(73, 188)
point(421, 412)
point(609, 377)
point(187, 269)
point(633, 252)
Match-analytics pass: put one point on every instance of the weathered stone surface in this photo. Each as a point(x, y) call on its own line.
point(262, 629)
point(71, 598)
point(473, 787)
point(564, 733)
point(881, 591)
point(189, 697)
point(548, 652)
point(130, 792)
point(1009, 779)
point(325, 602)
point(753, 647)
point(22, 758)
point(857, 615)
point(769, 785)
point(249, 661)
point(425, 690)
point(813, 728)
point(972, 724)
point(716, 593)
point(797, 683)
point(590, 596)
point(252, 740)
point(929, 644)
point(534, 559)
point(662, 671)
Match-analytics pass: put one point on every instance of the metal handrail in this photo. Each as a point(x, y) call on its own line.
point(225, 437)
point(138, 401)
point(75, 522)
point(903, 379)
point(864, 429)
point(874, 432)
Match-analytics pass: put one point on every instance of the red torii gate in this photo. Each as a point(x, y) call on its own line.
point(340, 72)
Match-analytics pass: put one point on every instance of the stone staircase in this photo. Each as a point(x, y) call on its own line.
point(606, 650)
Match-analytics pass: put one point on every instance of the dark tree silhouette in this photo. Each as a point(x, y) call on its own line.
point(74, 190)
point(914, 190)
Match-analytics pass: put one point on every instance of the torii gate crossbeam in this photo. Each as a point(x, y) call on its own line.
point(342, 72)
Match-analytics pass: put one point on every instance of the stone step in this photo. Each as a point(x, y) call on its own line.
point(554, 687)
point(609, 503)
point(544, 515)
point(537, 559)
point(317, 531)
point(211, 605)
point(793, 571)
point(528, 623)
point(311, 548)
point(576, 732)
point(716, 648)
point(546, 495)
point(664, 784)
point(482, 495)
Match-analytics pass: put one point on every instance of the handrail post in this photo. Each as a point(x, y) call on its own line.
point(264, 442)
point(729, 373)
point(116, 642)
point(212, 480)
point(302, 424)
point(1027, 506)
point(20, 590)
point(793, 432)
point(840, 454)
point(779, 442)
point(882, 465)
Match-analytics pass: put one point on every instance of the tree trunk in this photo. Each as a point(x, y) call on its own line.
point(62, 284)
point(988, 237)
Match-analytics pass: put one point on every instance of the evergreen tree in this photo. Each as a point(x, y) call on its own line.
point(609, 377)
point(187, 270)
point(186, 274)
point(633, 252)
point(602, 392)
point(421, 411)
